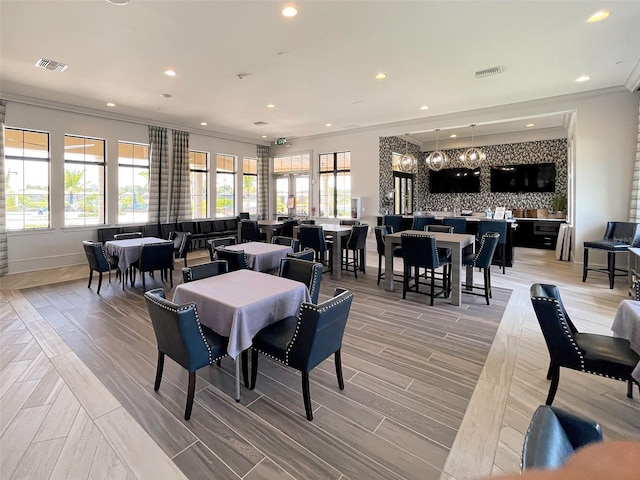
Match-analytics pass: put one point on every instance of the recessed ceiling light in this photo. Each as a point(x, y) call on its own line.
point(170, 73)
point(290, 11)
point(328, 124)
point(381, 75)
point(118, 2)
point(529, 125)
point(166, 95)
point(264, 136)
point(111, 104)
point(424, 107)
point(599, 15)
point(583, 78)
point(271, 105)
point(453, 135)
point(204, 124)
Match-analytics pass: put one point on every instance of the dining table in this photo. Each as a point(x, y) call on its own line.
point(626, 324)
point(459, 243)
point(262, 257)
point(239, 304)
point(128, 251)
point(270, 227)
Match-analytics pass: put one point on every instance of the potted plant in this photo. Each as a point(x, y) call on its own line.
point(559, 205)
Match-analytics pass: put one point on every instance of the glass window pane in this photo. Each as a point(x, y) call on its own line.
point(302, 195)
point(133, 183)
point(282, 193)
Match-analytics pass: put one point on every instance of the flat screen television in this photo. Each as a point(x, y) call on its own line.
point(535, 177)
point(454, 180)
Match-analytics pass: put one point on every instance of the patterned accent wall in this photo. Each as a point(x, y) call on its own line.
point(543, 151)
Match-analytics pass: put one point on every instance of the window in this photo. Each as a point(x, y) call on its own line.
point(225, 183)
point(291, 175)
point(335, 184)
point(133, 182)
point(292, 163)
point(84, 184)
point(26, 170)
point(198, 174)
point(250, 185)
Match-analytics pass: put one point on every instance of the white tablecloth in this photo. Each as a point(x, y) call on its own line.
point(261, 256)
point(626, 324)
point(239, 304)
point(128, 251)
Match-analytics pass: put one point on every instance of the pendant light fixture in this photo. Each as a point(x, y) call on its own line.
point(407, 161)
point(472, 156)
point(436, 159)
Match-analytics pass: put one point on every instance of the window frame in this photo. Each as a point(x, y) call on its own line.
point(132, 166)
point(246, 198)
point(223, 173)
point(193, 173)
point(335, 173)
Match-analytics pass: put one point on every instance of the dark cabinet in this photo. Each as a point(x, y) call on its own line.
point(536, 233)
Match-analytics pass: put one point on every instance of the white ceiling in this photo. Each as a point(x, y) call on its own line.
point(317, 67)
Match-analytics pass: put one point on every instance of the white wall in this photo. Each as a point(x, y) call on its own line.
point(606, 124)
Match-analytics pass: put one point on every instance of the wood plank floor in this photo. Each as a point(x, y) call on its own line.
point(429, 393)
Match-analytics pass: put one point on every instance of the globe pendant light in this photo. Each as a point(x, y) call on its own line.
point(407, 161)
point(472, 157)
point(436, 159)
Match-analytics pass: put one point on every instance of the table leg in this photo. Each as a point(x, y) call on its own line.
point(456, 280)
point(388, 266)
point(336, 264)
point(469, 280)
point(238, 360)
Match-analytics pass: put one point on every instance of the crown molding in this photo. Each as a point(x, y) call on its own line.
point(633, 80)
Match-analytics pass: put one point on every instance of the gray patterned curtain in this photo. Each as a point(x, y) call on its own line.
point(158, 175)
point(4, 253)
point(180, 207)
point(263, 182)
point(634, 213)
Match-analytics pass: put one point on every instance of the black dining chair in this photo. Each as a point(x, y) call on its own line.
point(421, 252)
point(181, 243)
point(421, 221)
point(312, 236)
point(181, 336)
point(482, 260)
point(220, 242)
point(154, 257)
point(204, 270)
point(307, 254)
point(393, 221)
point(498, 226)
point(459, 224)
point(381, 232)
point(250, 231)
point(294, 243)
point(287, 227)
point(441, 229)
point(307, 272)
point(349, 223)
point(98, 261)
point(602, 355)
point(235, 258)
point(302, 342)
point(355, 243)
point(127, 235)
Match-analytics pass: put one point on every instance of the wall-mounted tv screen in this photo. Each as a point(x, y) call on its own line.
point(535, 177)
point(454, 180)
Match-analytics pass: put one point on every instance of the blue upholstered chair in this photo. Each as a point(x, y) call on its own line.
point(356, 243)
point(585, 352)
point(307, 272)
point(127, 235)
point(307, 254)
point(294, 243)
point(482, 260)
point(287, 227)
point(219, 242)
point(204, 270)
point(498, 226)
point(312, 236)
point(304, 341)
point(154, 257)
point(250, 231)
point(421, 251)
point(181, 242)
point(381, 232)
point(459, 224)
point(421, 221)
point(554, 435)
point(393, 221)
point(182, 337)
point(235, 258)
point(98, 261)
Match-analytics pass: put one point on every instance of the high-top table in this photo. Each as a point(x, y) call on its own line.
point(262, 257)
point(626, 324)
point(457, 242)
point(338, 232)
point(269, 226)
point(239, 304)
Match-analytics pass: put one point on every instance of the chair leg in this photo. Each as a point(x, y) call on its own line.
point(338, 362)
point(306, 395)
point(630, 388)
point(585, 263)
point(355, 262)
point(254, 368)
point(144, 288)
point(90, 278)
point(433, 284)
point(99, 281)
point(549, 371)
point(379, 268)
point(555, 379)
point(611, 266)
point(489, 280)
point(245, 367)
point(405, 281)
point(159, 369)
point(486, 285)
point(190, 393)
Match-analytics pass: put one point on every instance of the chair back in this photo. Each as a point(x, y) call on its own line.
point(294, 243)
point(151, 230)
point(557, 328)
point(307, 272)
point(381, 232)
point(250, 230)
point(419, 250)
point(320, 330)
point(498, 226)
point(306, 254)
point(156, 256)
point(244, 215)
point(307, 222)
point(312, 236)
point(488, 244)
point(181, 243)
point(625, 232)
point(394, 221)
point(106, 234)
point(287, 227)
point(235, 258)
point(439, 228)
point(210, 269)
point(421, 221)
point(95, 256)
point(358, 238)
point(459, 224)
point(127, 236)
point(220, 242)
point(178, 331)
point(349, 222)
point(166, 229)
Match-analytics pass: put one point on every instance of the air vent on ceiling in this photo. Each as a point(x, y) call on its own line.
point(51, 65)
point(260, 123)
point(487, 72)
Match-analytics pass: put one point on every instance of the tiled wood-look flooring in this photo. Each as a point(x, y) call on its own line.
point(410, 370)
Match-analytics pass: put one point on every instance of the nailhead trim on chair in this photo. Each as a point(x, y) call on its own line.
point(473, 264)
